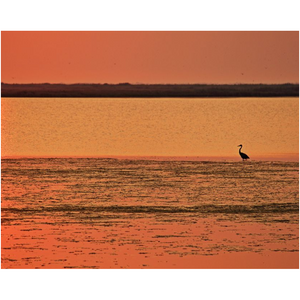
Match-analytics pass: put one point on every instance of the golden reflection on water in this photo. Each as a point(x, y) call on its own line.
point(148, 127)
point(188, 242)
point(120, 213)
point(141, 213)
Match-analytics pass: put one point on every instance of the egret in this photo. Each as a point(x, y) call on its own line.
point(243, 155)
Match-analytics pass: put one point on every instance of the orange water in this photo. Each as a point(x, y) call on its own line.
point(176, 194)
point(267, 127)
point(132, 213)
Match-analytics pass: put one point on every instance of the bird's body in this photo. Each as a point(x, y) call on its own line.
point(243, 155)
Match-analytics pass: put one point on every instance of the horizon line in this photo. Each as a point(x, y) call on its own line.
point(141, 83)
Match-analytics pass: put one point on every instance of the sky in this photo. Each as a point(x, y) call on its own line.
point(150, 57)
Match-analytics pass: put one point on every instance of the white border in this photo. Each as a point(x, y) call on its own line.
point(150, 15)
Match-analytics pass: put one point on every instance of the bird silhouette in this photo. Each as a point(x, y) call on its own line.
point(243, 155)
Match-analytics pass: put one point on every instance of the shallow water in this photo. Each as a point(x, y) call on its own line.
point(145, 127)
point(133, 213)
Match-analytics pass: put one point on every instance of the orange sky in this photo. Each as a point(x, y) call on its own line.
point(150, 57)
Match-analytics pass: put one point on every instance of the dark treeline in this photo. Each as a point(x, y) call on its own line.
point(151, 90)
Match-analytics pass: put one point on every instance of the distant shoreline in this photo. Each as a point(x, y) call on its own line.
point(126, 90)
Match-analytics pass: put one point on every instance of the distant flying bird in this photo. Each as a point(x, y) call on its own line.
point(243, 155)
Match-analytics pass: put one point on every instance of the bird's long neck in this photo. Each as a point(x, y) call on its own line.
point(240, 148)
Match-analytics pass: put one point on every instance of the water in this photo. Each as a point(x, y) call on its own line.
point(146, 211)
point(149, 213)
point(266, 127)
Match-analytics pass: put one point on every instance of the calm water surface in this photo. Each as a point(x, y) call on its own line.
point(132, 213)
point(147, 127)
point(147, 213)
